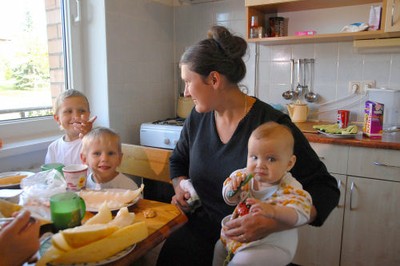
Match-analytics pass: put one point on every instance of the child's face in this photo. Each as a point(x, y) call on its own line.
point(269, 159)
point(72, 110)
point(103, 157)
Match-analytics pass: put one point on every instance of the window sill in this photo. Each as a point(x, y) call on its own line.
point(23, 146)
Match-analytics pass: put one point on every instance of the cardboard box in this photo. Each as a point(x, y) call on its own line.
point(373, 119)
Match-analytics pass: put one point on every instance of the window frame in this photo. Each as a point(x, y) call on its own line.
point(33, 134)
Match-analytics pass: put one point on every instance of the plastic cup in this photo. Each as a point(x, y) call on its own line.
point(75, 176)
point(67, 210)
point(50, 166)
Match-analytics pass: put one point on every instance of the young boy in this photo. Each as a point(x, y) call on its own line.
point(272, 192)
point(101, 151)
point(71, 112)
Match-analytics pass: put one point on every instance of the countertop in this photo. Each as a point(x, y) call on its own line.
point(388, 140)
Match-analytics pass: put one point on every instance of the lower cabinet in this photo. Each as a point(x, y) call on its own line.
point(364, 229)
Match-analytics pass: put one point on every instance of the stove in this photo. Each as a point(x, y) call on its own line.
point(161, 133)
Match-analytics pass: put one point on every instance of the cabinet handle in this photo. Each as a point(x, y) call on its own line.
point(78, 11)
point(351, 196)
point(386, 165)
point(393, 8)
point(339, 185)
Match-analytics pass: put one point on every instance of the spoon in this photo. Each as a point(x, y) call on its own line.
point(311, 96)
point(288, 95)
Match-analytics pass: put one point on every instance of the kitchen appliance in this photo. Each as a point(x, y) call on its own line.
point(160, 134)
point(298, 112)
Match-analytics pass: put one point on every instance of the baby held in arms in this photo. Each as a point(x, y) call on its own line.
point(265, 187)
point(102, 152)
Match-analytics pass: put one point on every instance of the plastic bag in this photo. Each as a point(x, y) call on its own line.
point(37, 190)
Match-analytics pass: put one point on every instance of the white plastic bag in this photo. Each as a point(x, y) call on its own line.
point(37, 190)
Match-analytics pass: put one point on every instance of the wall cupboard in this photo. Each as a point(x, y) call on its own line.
point(363, 229)
point(296, 12)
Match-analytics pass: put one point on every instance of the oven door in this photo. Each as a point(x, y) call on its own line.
point(159, 136)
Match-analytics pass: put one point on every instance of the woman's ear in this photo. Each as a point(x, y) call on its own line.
point(214, 77)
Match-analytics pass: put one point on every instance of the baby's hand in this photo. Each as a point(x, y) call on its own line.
point(85, 127)
point(237, 179)
point(260, 207)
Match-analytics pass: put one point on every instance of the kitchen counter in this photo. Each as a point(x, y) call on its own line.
point(388, 140)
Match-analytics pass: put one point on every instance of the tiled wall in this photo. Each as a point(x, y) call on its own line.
point(335, 63)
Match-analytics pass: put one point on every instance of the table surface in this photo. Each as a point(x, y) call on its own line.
point(168, 218)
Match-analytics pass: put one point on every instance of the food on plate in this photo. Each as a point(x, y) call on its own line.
point(115, 199)
point(123, 218)
point(12, 179)
point(334, 129)
point(103, 216)
point(149, 213)
point(95, 242)
point(7, 208)
point(83, 235)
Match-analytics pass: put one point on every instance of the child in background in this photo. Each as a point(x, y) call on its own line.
point(272, 192)
point(101, 151)
point(71, 112)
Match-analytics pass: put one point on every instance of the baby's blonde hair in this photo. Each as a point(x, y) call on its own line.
point(273, 129)
point(97, 133)
point(68, 94)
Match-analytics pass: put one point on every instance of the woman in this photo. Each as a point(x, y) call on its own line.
point(213, 144)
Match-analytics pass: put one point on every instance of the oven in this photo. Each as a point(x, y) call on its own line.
point(162, 134)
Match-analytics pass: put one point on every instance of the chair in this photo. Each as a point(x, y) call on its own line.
point(145, 162)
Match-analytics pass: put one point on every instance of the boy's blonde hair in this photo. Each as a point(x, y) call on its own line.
point(68, 94)
point(97, 133)
point(273, 129)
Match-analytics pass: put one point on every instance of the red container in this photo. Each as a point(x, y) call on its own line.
point(343, 118)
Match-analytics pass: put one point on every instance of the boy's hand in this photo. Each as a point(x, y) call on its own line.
point(260, 207)
point(84, 127)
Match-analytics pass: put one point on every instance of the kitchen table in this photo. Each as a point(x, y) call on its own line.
point(168, 219)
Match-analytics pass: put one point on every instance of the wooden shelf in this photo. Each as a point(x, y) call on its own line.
point(262, 8)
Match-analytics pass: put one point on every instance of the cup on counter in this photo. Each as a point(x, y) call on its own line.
point(75, 176)
point(50, 166)
point(67, 210)
point(343, 118)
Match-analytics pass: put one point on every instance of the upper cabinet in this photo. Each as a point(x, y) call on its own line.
point(392, 18)
point(326, 18)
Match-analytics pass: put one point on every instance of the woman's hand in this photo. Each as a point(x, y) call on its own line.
point(19, 240)
point(180, 198)
point(252, 227)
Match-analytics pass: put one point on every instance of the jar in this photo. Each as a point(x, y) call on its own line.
point(276, 27)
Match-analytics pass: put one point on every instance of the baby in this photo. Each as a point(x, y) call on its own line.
point(71, 112)
point(101, 151)
point(271, 191)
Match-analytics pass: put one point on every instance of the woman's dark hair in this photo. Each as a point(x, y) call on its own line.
point(221, 52)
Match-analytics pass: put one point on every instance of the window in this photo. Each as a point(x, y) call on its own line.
point(31, 57)
point(38, 36)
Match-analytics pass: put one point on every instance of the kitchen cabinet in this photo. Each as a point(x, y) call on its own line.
point(363, 229)
point(297, 11)
point(392, 18)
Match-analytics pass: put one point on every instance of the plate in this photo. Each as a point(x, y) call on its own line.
point(45, 245)
point(94, 209)
point(7, 174)
point(338, 136)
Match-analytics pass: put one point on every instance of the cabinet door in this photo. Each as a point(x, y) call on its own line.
point(321, 245)
point(392, 22)
point(335, 157)
point(371, 231)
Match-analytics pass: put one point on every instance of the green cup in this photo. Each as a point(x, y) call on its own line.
point(49, 166)
point(67, 210)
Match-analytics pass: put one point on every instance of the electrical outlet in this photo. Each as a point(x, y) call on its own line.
point(368, 84)
point(355, 87)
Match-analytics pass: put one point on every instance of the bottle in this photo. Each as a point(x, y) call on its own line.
point(254, 27)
